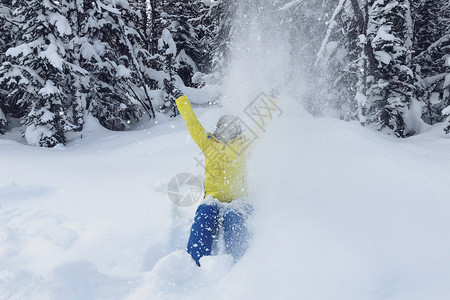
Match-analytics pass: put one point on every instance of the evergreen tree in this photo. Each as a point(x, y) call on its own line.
point(365, 60)
point(430, 22)
point(187, 31)
point(75, 78)
point(7, 36)
point(153, 24)
point(136, 42)
point(33, 72)
point(439, 101)
point(7, 28)
point(378, 42)
point(390, 87)
point(167, 53)
point(203, 40)
point(431, 49)
point(106, 54)
point(183, 47)
point(446, 86)
point(185, 21)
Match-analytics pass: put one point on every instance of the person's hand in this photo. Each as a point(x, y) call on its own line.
point(176, 92)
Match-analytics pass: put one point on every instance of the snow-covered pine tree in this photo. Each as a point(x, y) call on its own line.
point(164, 50)
point(137, 44)
point(188, 31)
point(204, 38)
point(33, 72)
point(439, 76)
point(154, 25)
point(6, 40)
point(167, 53)
point(430, 22)
point(365, 62)
point(222, 15)
point(390, 87)
point(76, 78)
point(431, 49)
point(142, 15)
point(105, 55)
point(445, 46)
point(182, 46)
point(184, 20)
point(7, 27)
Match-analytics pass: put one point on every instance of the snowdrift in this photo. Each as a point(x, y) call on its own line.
point(341, 213)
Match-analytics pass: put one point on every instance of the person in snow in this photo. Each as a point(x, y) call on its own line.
point(225, 153)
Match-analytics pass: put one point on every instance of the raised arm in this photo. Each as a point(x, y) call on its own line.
point(196, 129)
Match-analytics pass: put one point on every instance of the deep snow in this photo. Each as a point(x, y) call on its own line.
point(342, 212)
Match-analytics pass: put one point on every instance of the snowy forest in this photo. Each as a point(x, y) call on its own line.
point(385, 64)
point(302, 145)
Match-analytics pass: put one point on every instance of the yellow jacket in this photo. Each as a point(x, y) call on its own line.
point(225, 164)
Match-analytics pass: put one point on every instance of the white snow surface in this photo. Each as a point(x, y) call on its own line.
point(341, 212)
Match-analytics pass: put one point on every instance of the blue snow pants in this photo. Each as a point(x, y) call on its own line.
point(205, 228)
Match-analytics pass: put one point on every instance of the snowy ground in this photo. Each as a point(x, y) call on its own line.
point(341, 213)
